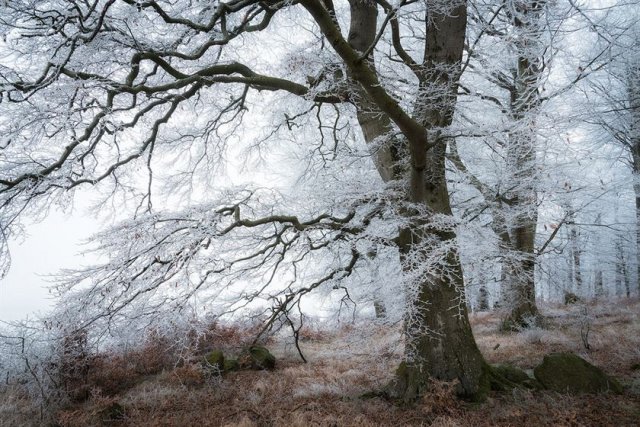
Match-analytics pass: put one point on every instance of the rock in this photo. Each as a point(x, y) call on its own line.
point(515, 376)
point(571, 298)
point(231, 365)
point(261, 358)
point(568, 373)
point(113, 412)
point(215, 359)
point(511, 373)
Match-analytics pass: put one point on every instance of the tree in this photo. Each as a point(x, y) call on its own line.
point(512, 84)
point(120, 95)
point(616, 110)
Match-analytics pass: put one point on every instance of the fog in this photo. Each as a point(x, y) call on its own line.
point(47, 247)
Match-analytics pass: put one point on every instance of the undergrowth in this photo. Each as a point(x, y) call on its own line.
point(158, 384)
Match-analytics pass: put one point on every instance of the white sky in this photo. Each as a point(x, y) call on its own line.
point(50, 245)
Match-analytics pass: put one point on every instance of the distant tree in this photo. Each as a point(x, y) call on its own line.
point(509, 86)
point(615, 107)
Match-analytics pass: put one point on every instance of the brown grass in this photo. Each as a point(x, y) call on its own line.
point(344, 364)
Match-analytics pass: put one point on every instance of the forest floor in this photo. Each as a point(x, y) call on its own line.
point(345, 364)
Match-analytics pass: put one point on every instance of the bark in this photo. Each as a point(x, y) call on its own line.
point(633, 93)
point(483, 299)
point(636, 188)
point(576, 260)
point(519, 289)
point(375, 125)
point(440, 343)
point(622, 283)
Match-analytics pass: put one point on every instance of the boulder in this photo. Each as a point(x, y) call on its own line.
point(215, 359)
point(231, 365)
point(568, 373)
point(517, 376)
point(113, 412)
point(571, 298)
point(513, 374)
point(261, 358)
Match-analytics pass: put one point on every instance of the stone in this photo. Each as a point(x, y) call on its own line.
point(231, 365)
point(112, 413)
point(215, 359)
point(261, 358)
point(571, 298)
point(568, 373)
point(516, 376)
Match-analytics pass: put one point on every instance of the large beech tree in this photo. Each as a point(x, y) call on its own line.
point(115, 93)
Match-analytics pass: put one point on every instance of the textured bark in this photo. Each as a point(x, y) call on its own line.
point(636, 188)
point(440, 342)
point(633, 93)
point(519, 271)
point(375, 125)
point(576, 271)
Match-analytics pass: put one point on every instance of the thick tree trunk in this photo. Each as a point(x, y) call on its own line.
point(440, 342)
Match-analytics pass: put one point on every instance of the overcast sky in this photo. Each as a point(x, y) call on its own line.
point(49, 246)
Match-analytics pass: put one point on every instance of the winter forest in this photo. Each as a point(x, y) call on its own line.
point(326, 212)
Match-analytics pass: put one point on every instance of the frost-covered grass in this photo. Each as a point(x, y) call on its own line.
point(347, 362)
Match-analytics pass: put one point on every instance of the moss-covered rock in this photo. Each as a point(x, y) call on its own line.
point(112, 412)
point(261, 358)
point(215, 359)
point(511, 373)
point(231, 365)
point(568, 373)
point(517, 376)
point(571, 298)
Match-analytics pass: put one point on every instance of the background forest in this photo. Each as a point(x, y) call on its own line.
point(396, 198)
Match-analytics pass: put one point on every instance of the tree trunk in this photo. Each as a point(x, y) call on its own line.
point(575, 257)
point(440, 342)
point(633, 93)
point(636, 188)
point(521, 156)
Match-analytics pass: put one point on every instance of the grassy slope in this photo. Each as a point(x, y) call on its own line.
point(347, 363)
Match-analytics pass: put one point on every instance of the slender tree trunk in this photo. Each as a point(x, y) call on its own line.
point(575, 257)
point(621, 270)
point(483, 299)
point(521, 157)
point(633, 93)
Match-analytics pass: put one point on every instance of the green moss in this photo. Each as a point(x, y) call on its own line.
point(407, 385)
point(511, 373)
point(568, 373)
point(231, 365)
point(261, 358)
point(516, 376)
point(113, 412)
point(215, 359)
